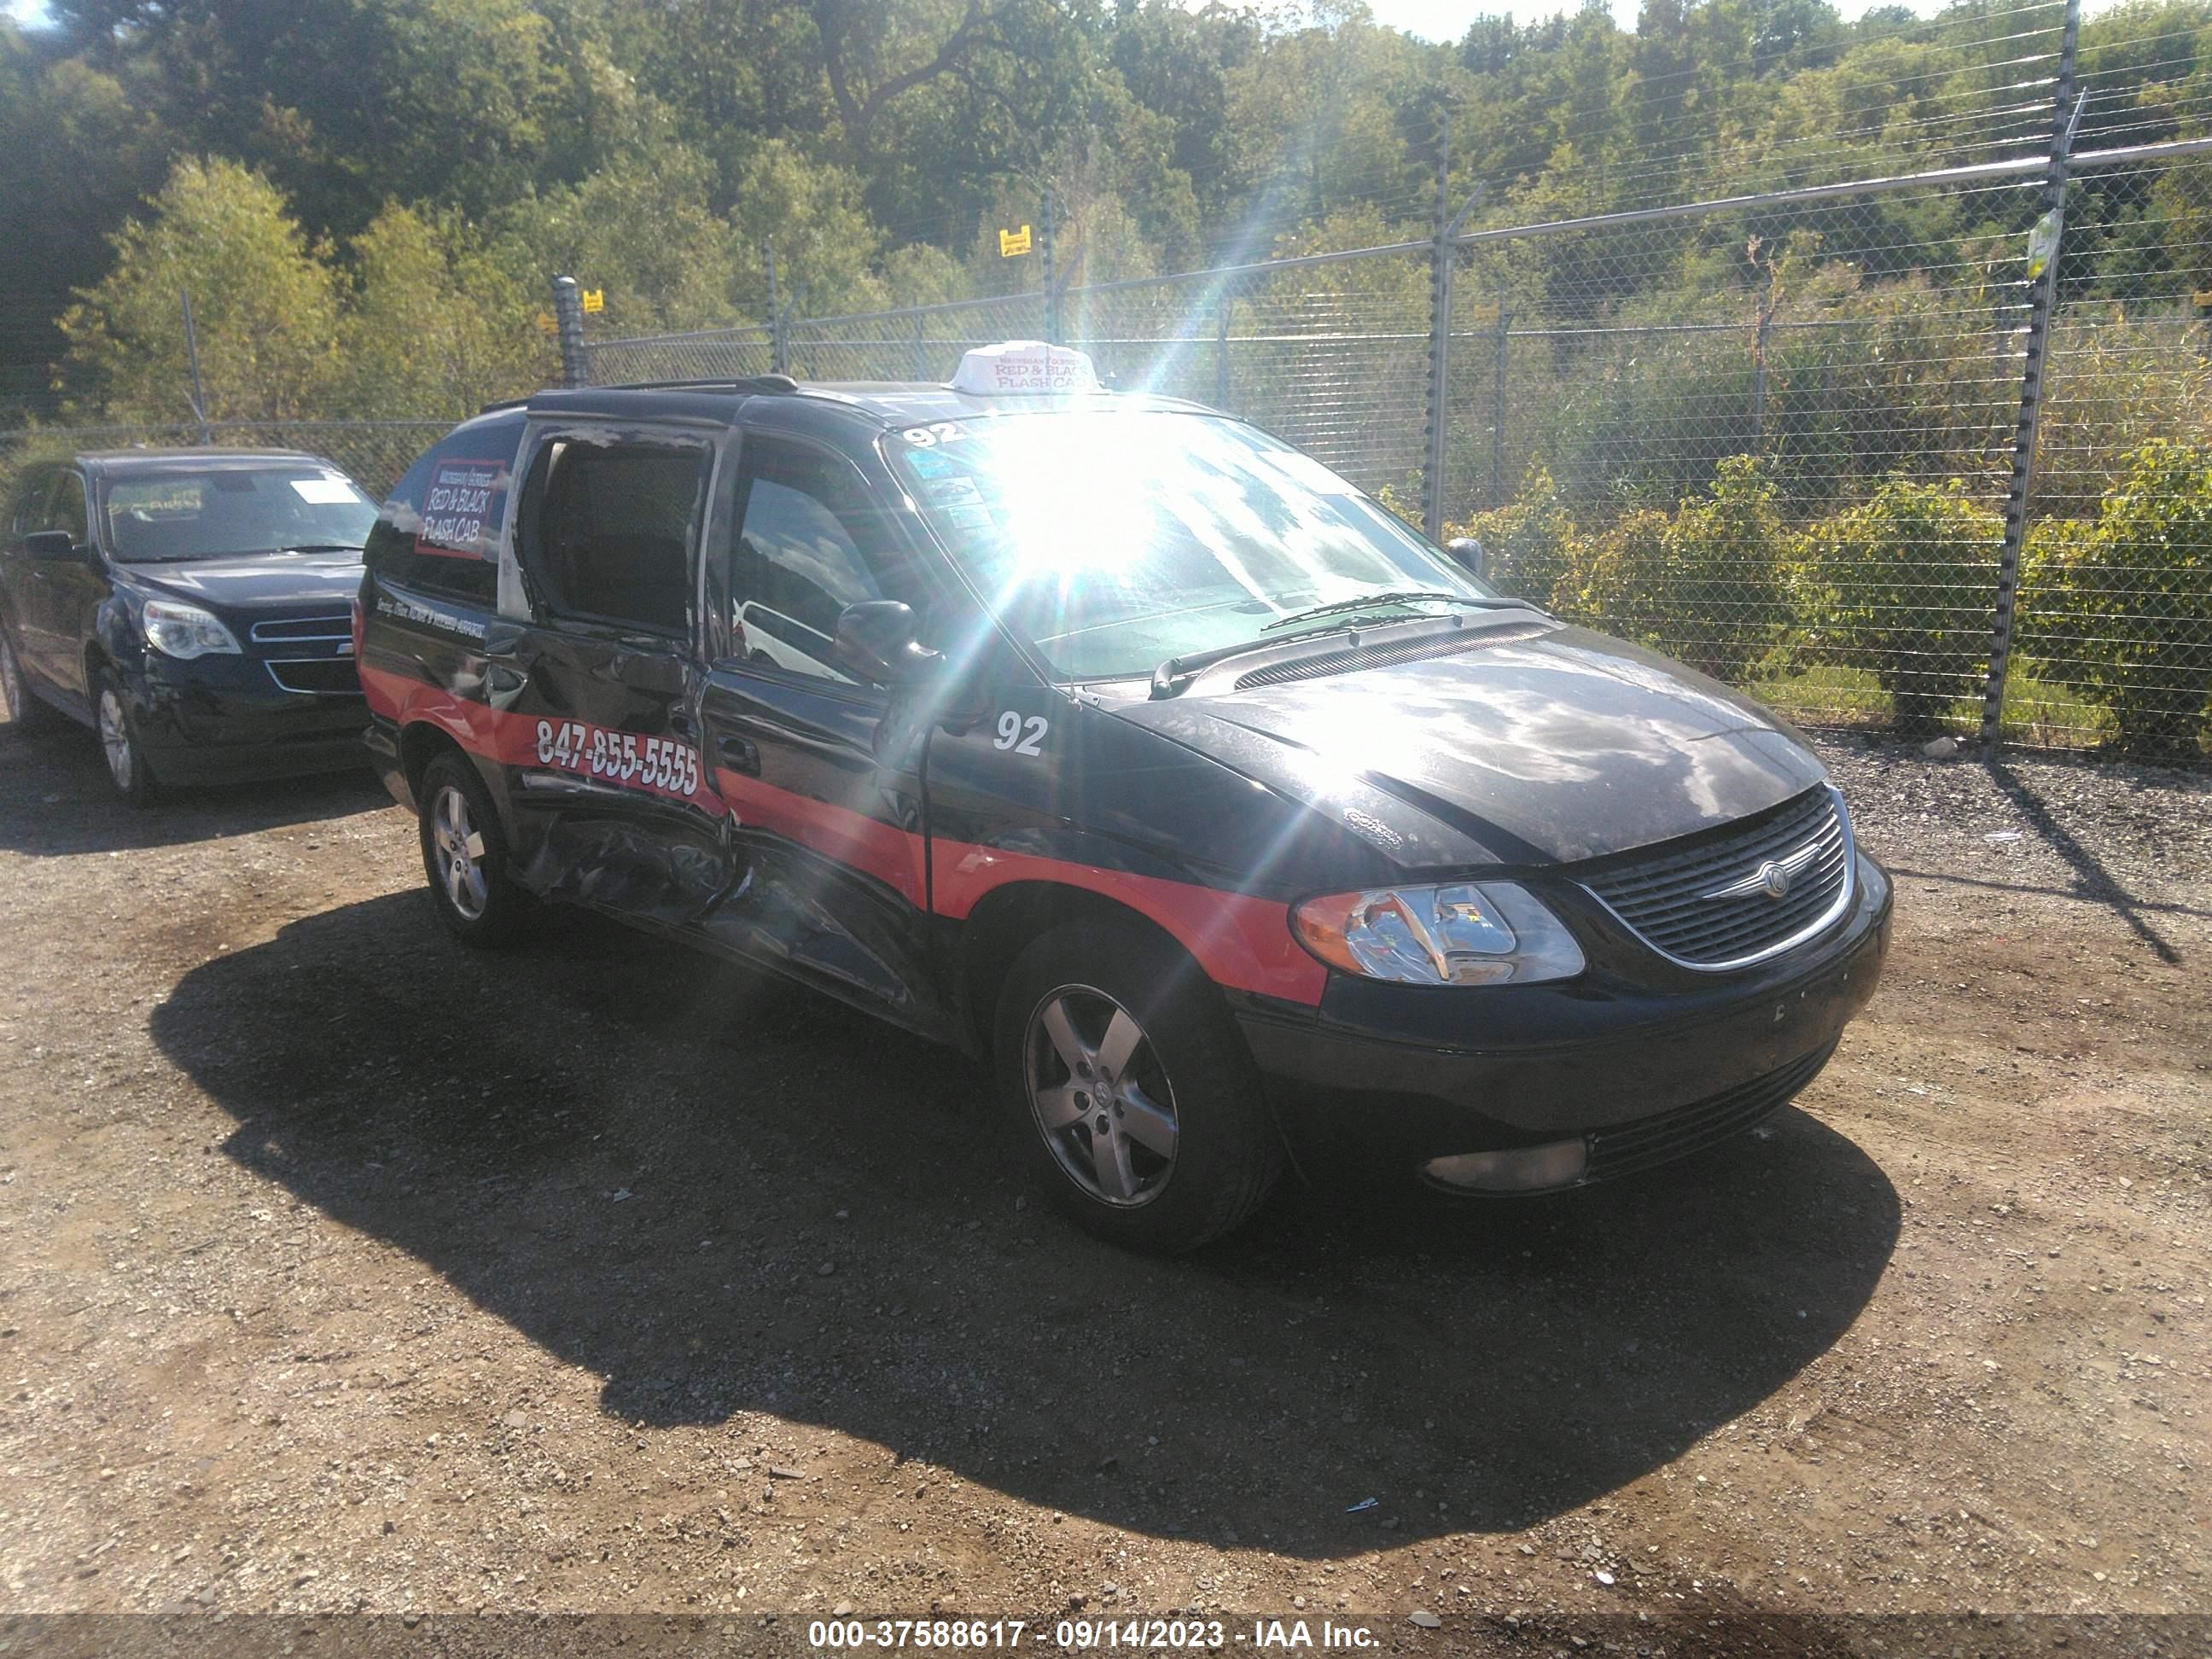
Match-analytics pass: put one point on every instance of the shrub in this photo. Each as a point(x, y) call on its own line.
point(2123, 606)
point(1527, 547)
point(1704, 584)
point(1903, 584)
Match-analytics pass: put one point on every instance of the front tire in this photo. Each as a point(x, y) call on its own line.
point(464, 856)
point(17, 701)
point(1132, 1098)
point(128, 768)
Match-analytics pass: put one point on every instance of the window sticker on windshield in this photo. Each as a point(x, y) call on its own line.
point(461, 510)
point(326, 492)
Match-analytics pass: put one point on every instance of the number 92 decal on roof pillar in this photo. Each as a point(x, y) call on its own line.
point(656, 764)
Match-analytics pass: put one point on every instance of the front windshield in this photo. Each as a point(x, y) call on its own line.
point(1114, 541)
point(214, 512)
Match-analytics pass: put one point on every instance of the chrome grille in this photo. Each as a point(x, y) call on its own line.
point(1671, 900)
point(338, 627)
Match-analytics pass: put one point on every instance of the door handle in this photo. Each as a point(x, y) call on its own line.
point(740, 754)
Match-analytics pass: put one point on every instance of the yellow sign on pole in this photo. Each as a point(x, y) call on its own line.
point(1013, 243)
point(595, 299)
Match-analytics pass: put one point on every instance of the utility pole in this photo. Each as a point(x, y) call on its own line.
point(192, 358)
point(2065, 114)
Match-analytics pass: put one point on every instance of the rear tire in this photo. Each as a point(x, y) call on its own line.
point(1132, 1099)
point(464, 856)
point(128, 768)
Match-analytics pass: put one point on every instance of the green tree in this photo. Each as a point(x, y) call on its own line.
point(265, 306)
point(435, 326)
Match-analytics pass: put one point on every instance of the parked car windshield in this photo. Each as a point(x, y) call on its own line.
point(1114, 541)
point(216, 512)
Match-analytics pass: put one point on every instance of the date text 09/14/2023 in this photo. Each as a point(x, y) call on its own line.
point(1085, 1635)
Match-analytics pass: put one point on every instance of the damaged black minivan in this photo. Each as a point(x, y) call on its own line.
point(1130, 749)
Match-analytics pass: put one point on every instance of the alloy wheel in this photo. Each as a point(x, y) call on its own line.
point(1100, 1097)
point(115, 739)
point(460, 847)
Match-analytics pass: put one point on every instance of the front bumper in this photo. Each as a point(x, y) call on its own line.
point(222, 720)
point(1645, 1070)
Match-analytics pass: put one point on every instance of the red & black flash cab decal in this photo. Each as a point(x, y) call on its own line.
point(462, 509)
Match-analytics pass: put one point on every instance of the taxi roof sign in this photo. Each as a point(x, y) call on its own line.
point(1024, 368)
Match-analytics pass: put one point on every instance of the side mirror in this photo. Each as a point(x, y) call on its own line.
point(1469, 552)
point(875, 643)
point(53, 547)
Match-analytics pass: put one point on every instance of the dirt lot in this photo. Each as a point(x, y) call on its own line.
point(340, 1269)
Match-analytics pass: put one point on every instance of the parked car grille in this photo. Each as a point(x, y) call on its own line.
point(1686, 1129)
point(338, 627)
point(325, 676)
point(1678, 902)
point(1379, 656)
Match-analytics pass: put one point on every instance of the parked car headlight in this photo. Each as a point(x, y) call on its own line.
point(185, 631)
point(1494, 933)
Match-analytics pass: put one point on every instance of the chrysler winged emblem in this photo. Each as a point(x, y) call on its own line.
point(1774, 878)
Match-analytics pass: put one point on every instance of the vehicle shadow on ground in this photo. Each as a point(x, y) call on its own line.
point(639, 1160)
point(56, 798)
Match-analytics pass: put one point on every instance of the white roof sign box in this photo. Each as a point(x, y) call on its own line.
point(1024, 369)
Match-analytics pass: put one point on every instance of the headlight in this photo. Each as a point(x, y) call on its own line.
point(185, 631)
point(1496, 934)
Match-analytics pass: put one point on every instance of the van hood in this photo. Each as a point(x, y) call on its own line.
point(1532, 751)
point(272, 582)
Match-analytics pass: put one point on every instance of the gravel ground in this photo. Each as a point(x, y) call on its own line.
point(342, 1270)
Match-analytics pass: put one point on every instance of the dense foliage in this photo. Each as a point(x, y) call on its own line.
point(441, 157)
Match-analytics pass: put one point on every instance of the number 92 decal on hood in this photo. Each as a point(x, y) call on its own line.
point(623, 757)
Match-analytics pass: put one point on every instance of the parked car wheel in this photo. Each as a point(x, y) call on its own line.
point(127, 766)
point(17, 701)
point(1130, 1094)
point(465, 855)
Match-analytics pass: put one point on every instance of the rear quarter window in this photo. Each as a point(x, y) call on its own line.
point(439, 532)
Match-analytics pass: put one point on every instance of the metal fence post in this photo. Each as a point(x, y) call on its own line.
point(1441, 256)
point(1766, 303)
point(920, 358)
point(2066, 109)
point(192, 359)
point(568, 323)
point(779, 340)
point(1498, 403)
point(1051, 293)
point(1221, 352)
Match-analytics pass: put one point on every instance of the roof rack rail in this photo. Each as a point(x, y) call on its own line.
point(738, 383)
point(504, 403)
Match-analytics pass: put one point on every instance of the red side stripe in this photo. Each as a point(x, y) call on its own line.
point(1240, 941)
point(890, 854)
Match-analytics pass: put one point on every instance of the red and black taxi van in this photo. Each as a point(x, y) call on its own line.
point(1129, 748)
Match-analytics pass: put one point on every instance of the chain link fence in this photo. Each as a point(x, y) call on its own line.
point(1782, 437)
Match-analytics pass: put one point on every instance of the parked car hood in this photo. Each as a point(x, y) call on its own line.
point(273, 582)
point(1563, 746)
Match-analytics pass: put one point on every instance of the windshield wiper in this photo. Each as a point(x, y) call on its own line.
point(323, 547)
point(1397, 596)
